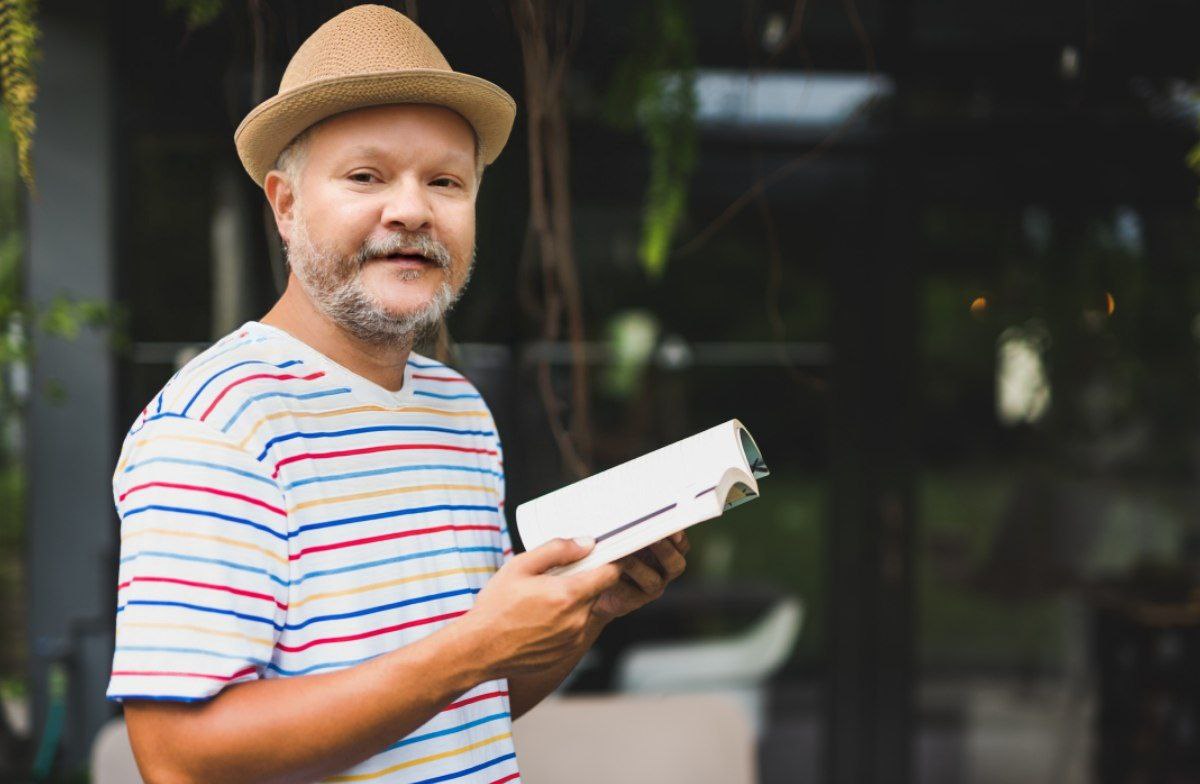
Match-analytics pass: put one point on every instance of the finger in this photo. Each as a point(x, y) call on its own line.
point(593, 582)
point(680, 540)
point(647, 579)
point(556, 552)
point(673, 562)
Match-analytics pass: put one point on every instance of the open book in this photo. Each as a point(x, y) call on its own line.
point(635, 504)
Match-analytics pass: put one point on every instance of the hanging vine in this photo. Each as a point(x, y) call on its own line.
point(549, 31)
point(18, 50)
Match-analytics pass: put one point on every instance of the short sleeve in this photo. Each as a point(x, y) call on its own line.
point(203, 578)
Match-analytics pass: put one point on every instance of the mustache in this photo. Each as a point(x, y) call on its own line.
point(395, 242)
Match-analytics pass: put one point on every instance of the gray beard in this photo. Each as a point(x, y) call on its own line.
point(334, 285)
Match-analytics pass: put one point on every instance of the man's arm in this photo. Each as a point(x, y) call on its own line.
point(308, 727)
point(641, 584)
point(305, 728)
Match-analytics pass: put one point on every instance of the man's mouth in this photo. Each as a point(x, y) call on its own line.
point(409, 258)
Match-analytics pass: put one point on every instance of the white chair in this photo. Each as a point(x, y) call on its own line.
point(737, 666)
point(112, 756)
point(636, 739)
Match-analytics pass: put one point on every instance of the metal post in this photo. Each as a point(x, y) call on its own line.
point(70, 453)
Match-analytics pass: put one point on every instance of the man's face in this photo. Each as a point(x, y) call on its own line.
point(381, 232)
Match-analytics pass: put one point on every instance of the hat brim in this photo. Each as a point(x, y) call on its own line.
point(272, 125)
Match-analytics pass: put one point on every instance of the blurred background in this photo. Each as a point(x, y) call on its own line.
point(940, 258)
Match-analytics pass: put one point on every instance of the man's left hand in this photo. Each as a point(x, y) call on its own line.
point(645, 575)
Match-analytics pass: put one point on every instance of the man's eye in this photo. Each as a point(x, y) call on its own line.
point(363, 177)
point(443, 182)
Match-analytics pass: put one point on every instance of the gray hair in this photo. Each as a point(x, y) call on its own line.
point(291, 160)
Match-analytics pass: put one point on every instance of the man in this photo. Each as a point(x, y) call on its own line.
point(316, 580)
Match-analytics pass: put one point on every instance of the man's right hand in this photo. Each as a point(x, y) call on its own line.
point(529, 620)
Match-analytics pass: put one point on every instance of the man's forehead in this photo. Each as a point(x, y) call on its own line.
point(374, 151)
point(387, 131)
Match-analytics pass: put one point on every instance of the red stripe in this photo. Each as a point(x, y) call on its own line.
point(236, 675)
point(476, 698)
point(276, 376)
point(509, 777)
point(373, 633)
point(373, 449)
point(439, 378)
point(386, 537)
point(205, 489)
point(210, 586)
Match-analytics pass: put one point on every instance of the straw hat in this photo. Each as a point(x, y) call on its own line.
point(366, 56)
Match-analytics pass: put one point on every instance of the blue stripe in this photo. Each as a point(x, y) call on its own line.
point(155, 697)
point(234, 366)
point(315, 667)
point(202, 464)
point(464, 396)
point(467, 771)
point(199, 608)
point(314, 574)
point(214, 561)
point(381, 608)
point(195, 651)
point(416, 364)
point(372, 429)
point(397, 559)
point(206, 513)
point(164, 415)
point(211, 354)
point(390, 470)
point(392, 513)
point(450, 731)
point(293, 395)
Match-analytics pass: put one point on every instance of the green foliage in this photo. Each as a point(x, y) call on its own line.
point(66, 318)
point(657, 81)
point(199, 12)
point(18, 50)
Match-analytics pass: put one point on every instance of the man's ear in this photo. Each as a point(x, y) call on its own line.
point(282, 200)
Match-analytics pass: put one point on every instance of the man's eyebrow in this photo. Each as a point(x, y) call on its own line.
point(362, 151)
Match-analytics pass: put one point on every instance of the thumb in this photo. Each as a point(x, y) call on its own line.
point(556, 552)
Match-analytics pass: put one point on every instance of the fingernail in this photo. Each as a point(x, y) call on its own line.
point(584, 541)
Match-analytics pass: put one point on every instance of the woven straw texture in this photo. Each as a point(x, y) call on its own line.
point(367, 56)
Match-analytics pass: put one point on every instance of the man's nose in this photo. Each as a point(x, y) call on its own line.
point(407, 206)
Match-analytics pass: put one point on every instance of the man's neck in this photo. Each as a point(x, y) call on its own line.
point(295, 314)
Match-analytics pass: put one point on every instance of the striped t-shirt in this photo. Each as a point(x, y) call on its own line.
point(281, 515)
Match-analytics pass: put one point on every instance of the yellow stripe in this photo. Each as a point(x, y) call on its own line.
point(388, 491)
point(201, 629)
point(357, 410)
point(421, 760)
point(209, 538)
point(190, 439)
point(389, 583)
